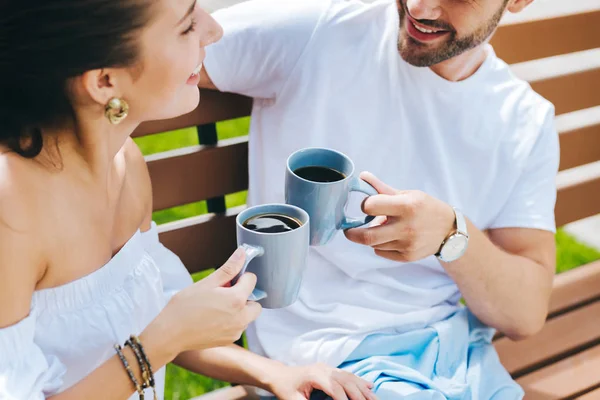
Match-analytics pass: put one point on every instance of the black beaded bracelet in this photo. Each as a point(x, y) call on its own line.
point(138, 355)
point(138, 343)
point(125, 363)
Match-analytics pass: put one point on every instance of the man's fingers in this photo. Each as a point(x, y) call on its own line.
point(385, 204)
point(229, 270)
point(378, 221)
point(373, 236)
point(394, 245)
point(377, 183)
point(391, 255)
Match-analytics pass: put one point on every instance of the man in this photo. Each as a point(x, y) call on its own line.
point(411, 91)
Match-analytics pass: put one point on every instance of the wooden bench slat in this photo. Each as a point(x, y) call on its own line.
point(199, 173)
point(545, 9)
point(571, 92)
point(566, 378)
point(214, 107)
point(530, 40)
point(552, 67)
point(579, 137)
point(578, 200)
point(205, 244)
point(575, 287)
point(559, 336)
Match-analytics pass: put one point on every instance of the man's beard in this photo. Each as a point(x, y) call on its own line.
point(418, 54)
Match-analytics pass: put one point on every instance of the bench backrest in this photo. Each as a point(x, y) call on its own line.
point(572, 82)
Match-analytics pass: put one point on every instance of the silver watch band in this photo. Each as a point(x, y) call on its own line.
point(461, 222)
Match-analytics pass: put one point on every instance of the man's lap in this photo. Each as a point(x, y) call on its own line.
point(453, 359)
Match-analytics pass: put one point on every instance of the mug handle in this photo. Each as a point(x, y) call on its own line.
point(251, 253)
point(358, 185)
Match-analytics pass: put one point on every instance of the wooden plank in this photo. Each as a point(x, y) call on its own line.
point(563, 34)
point(230, 393)
point(593, 395)
point(552, 67)
point(214, 106)
point(559, 336)
point(566, 378)
point(579, 137)
point(179, 177)
point(578, 200)
point(571, 92)
point(202, 242)
point(576, 286)
point(544, 9)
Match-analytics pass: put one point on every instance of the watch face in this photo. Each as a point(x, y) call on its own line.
point(454, 247)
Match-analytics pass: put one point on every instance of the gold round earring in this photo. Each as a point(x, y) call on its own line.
point(116, 110)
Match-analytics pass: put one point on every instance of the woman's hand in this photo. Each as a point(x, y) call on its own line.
point(297, 383)
point(208, 314)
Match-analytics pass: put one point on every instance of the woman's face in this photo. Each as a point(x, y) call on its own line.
point(165, 84)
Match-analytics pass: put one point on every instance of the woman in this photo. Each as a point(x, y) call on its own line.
point(80, 261)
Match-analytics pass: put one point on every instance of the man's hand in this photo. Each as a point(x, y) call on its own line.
point(414, 227)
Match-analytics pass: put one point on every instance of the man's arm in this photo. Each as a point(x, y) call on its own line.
point(506, 279)
point(262, 43)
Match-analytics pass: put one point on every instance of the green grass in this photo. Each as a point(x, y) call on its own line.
point(572, 254)
point(181, 384)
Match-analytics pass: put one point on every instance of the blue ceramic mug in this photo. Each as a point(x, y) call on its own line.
point(278, 259)
point(324, 201)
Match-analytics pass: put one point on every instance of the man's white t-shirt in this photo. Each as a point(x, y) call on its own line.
point(327, 73)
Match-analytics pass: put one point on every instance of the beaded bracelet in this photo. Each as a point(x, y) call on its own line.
point(141, 363)
point(148, 373)
point(135, 382)
point(138, 342)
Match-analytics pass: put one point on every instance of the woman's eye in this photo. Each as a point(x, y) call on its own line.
point(191, 28)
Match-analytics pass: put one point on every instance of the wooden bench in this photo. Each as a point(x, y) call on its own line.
point(556, 47)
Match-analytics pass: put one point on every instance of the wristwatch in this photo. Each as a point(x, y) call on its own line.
point(456, 243)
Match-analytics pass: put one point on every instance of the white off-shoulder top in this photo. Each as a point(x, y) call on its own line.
point(71, 329)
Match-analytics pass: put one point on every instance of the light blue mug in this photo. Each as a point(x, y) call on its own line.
point(325, 202)
point(277, 259)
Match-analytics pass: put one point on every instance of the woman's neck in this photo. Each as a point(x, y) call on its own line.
point(92, 143)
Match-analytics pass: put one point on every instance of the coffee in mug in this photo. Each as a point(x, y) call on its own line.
point(275, 238)
point(319, 181)
point(272, 223)
point(320, 174)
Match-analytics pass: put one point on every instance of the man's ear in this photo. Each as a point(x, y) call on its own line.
point(100, 85)
point(516, 6)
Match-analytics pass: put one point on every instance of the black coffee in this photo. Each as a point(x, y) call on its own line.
point(320, 174)
point(272, 223)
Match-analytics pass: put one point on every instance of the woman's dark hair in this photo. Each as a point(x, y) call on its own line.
point(43, 43)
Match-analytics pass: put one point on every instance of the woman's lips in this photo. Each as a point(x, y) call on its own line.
point(194, 78)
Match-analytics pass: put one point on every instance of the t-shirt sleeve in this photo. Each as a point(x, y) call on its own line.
point(262, 43)
point(25, 371)
point(533, 198)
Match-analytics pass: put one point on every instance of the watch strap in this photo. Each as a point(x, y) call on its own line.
point(461, 222)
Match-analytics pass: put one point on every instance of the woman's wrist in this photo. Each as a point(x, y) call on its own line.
point(162, 341)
